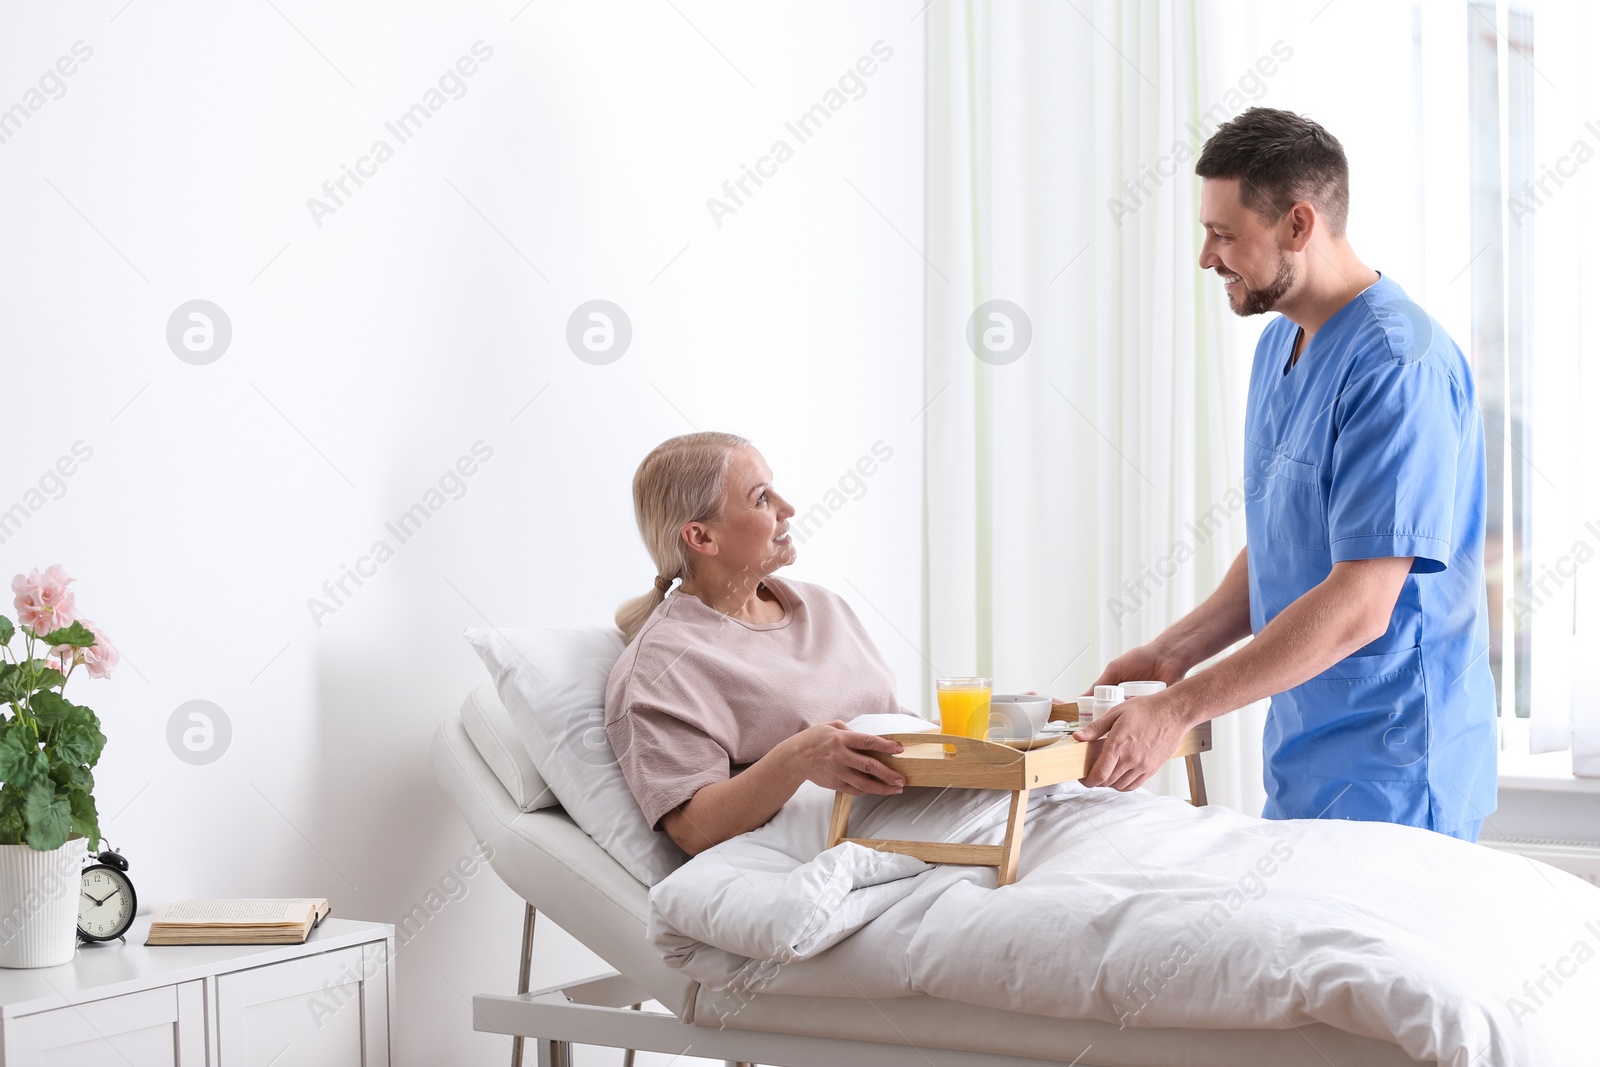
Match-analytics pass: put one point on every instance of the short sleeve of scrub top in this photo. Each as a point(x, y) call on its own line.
point(1389, 496)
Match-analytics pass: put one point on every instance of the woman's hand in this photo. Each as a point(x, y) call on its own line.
point(837, 757)
point(830, 754)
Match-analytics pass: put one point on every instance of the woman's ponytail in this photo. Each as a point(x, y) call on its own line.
point(632, 614)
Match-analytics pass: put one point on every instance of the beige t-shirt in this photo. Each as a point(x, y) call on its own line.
point(698, 695)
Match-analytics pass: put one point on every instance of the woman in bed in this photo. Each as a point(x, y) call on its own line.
point(737, 687)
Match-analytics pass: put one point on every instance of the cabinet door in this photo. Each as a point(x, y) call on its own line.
point(327, 1010)
point(157, 1028)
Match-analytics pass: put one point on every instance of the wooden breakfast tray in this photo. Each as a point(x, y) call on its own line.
point(990, 765)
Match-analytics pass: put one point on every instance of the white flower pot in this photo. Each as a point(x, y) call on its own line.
point(39, 904)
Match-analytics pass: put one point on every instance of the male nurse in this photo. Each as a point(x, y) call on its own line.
point(1361, 584)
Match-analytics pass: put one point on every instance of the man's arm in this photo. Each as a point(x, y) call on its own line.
point(1222, 619)
point(1349, 609)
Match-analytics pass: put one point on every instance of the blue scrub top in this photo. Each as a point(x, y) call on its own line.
point(1371, 446)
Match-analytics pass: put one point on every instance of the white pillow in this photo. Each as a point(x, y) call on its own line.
point(495, 736)
point(553, 682)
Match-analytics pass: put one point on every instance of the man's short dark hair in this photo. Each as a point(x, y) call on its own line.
point(1280, 158)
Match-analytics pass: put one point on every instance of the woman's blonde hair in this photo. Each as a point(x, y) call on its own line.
point(680, 481)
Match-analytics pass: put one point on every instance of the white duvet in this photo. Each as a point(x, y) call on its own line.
point(1144, 911)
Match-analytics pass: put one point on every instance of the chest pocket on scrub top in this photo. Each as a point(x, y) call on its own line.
point(1297, 505)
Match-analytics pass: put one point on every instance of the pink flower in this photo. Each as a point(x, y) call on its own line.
point(97, 659)
point(100, 657)
point(44, 603)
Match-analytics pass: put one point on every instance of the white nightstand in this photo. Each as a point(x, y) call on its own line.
point(325, 1003)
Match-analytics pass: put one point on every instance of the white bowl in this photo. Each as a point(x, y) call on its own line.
point(1017, 717)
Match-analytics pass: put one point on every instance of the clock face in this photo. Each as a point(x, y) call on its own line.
point(105, 905)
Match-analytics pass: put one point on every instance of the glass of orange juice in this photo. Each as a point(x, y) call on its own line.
point(964, 706)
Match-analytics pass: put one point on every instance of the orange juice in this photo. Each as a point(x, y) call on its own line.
point(964, 707)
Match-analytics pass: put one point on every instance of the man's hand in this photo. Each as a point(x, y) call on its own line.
point(1209, 629)
point(837, 757)
point(1139, 734)
point(1147, 663)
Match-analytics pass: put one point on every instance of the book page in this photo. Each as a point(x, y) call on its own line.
point(239, 911)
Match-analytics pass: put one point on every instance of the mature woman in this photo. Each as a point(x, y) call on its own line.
point(736, 686)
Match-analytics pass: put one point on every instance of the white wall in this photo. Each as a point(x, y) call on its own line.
point(371, 351)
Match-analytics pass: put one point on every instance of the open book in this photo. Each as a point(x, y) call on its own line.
point(243, 921)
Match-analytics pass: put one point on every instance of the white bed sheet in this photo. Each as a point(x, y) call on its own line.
point(1144, 911)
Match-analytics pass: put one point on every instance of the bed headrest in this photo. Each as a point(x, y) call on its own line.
point(552, 864)
point(552, 684)
point(495, 737)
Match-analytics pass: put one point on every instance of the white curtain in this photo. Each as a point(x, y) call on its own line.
point(1078, 496)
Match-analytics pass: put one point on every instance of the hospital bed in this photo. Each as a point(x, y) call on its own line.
point(559, 870)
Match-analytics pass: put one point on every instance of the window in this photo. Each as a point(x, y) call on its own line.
point(1505, 190)
point(1500, 153)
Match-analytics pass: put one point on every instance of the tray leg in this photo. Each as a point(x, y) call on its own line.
point(1013, 842)
point(841, 818)
point(1197, 780)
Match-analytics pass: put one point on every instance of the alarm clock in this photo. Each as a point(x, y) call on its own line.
point(106, 902)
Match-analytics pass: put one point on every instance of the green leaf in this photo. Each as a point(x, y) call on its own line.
point(22, 764)
point(78, 739)
point(44, 677)
point(48, 816)
point(70, 776)
point(85, 819)
point(6, 630)
point(13, 685)
point(11, 827)
point(26, 677)
point(76, 635)
point(51, 709)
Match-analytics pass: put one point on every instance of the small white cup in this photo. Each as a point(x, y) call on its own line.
point(1017, 717)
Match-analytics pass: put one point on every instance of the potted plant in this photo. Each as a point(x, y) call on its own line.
point(48, 749)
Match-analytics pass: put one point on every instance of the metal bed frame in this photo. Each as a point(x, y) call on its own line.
point(607, 1010)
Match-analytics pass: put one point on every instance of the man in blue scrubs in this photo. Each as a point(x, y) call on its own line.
point(1361, 583)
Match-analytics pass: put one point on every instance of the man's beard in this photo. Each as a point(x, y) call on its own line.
point(1260, 301)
